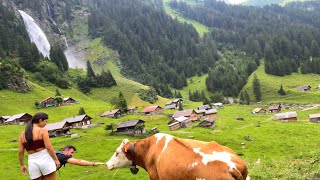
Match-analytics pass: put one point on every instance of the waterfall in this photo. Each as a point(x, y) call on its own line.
point(36, 35)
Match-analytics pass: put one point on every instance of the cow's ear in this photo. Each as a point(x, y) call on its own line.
point(126, 147)
point(125, 141)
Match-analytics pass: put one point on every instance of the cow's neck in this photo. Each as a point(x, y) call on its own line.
point(141, 148)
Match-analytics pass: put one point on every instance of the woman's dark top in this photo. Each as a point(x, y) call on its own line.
point(35, 145)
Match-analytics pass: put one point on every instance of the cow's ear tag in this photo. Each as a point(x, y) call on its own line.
point(134, 169)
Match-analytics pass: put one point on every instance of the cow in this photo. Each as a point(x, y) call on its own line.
point(166, 157)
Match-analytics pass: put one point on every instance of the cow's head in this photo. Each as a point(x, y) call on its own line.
point(119, 159)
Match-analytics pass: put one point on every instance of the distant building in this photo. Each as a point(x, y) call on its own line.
point(287, 116)
point(153, 110)
point(132, 110)
point(259, 111)
point(304, 88)
point(315, 118)
point(189, 113)
point(116, 113)
point(204, 107)
point(48, 102)
point(19, 119)
point(3, 119)
point(179, 122)
point(211, 113)
point(174, 104)
point(208, 122)
point(133, 127)
point(78, 121)
point(58, 128)
point(69, 100)
point(275, 108)
point(217, 105)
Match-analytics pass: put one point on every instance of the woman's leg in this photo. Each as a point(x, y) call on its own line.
point(51, 176)
point(39, 178)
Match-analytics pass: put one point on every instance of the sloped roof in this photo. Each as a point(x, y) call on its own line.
point(5, 117)
point(150, 109)
point(211, 111)
point(285, 115)
point(76, 118)
point(129, 123)
point(209, 120)
point(177, 100)
point(219, 104)
point(272, 107)
point(181, 118)
point(66, 98)
point(17, 116)
point(200, 111)
point(45, 99)
point(206, 106)
point(314, 115)
point(110, 112)
point(55, 126)
point(170, 106)
point(173, 124)
point(132, 107)
point(185, 113)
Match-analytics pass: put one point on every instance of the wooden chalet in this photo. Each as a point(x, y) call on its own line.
point(190, 113)
point(19, 119)
point(304, 88)
point(58, 129)
point(170, 106)
point(153, 110)
point(48, 102)
point(205, 107)
point(174, 126)
point(208, 122)
point(78, 121)
point(132, 110)
point(287, 116)
point(69, 100)
point(200, 113)
point(259, 111)
point(315, 118)
point(183, 122)
point(211, 113)
point(3, 119)
point(275, 108)
point(112, 113)
point(133, 127)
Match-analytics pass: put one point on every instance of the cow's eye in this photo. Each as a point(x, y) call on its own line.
point(117, 154)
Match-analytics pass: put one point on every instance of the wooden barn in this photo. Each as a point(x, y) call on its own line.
point(116, 113)
point(189, 113)
point(287, 116)
point(174, 126)
point(205, 107)
point(152, 110)
point(133, 127)
point(259, 111)
point(58, 129)
point(19, 119)
point(174, 104)
point(275, 108)
point(132, 110)
point(211, 113)
point(78, 121)
point(3, 119)
point(208, 122)
point(200, 113)
point(315, 118)
point(48, 102)
point(69, 100)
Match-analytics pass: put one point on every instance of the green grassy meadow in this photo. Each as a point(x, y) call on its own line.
point(272, 149)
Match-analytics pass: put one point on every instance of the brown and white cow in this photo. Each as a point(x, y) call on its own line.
point(166, 157)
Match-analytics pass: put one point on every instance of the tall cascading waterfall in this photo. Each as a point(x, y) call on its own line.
point(74, 58)
point(36, 35)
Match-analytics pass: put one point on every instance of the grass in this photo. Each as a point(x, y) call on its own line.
point(201, 29)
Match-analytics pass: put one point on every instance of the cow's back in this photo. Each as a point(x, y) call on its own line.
point(192, 159)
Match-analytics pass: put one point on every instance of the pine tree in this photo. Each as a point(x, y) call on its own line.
point(57, 93)
point(90, 73)
point(81, 111)
point(256, 88)
point(180, 107)
point(122, 104)
point(281, 91)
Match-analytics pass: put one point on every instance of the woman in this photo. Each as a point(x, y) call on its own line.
point(42, 160)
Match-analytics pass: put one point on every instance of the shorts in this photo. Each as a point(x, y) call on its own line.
point(40, 164)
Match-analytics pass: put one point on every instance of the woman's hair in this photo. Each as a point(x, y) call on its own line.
point(34, 120)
